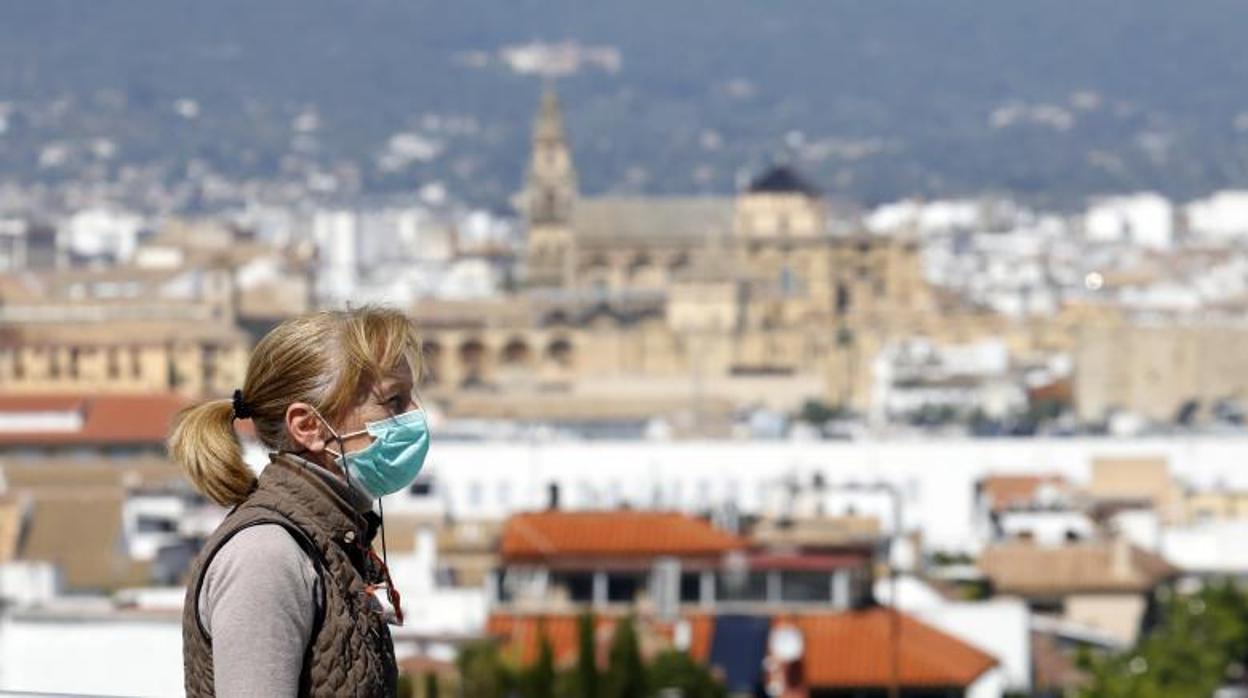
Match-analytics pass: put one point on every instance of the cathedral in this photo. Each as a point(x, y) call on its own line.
point(699, 306)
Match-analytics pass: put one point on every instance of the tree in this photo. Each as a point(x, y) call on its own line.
point(673, 669)
point(431, 685)
point(482, 673)
point(587, 657)
point(540, 678)
point(1199, 642)
point(626, 676)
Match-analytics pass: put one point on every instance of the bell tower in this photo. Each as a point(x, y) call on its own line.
point(549, 195)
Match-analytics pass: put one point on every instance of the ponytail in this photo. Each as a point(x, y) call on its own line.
point(204, 444)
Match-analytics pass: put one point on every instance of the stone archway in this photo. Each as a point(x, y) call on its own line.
point(516, 352)
point(559, 351)
point(472, 362)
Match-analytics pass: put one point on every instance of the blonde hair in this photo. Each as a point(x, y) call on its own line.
point(328, 360)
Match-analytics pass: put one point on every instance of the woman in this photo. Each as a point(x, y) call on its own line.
point(284, 599)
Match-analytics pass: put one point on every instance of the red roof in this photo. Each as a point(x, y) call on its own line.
point(107, 420)
point(841, 650)
point(612, 534)
point(854, 650)
point(1008, 491)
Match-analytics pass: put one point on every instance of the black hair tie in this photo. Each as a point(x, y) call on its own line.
point(241, 409)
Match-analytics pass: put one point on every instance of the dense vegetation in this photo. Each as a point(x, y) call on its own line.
point(484, 671)
point(1199, 644)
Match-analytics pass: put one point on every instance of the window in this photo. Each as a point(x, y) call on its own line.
point(474, 494)
point(155, 524)
point(580, 586)
point(805, 587)
point(690, 587)
point(421, 488)
point(751, 586)
point(622, 588)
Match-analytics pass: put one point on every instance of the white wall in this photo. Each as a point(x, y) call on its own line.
point(1047, 527)
point(936, 477)
point(111, 656)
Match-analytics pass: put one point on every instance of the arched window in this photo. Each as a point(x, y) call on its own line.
point(559, 351)
point(516, 352)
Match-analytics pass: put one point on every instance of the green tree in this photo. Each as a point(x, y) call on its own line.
point(586, 657)
point(540, 678)
point(431, 685)
point(1198, 641)
point(673, 669)
point(404, 688)
point(482, 673)
point(626, 675)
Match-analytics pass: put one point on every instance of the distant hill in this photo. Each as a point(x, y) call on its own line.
point(873, 100)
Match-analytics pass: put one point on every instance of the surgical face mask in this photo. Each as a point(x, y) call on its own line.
point(394, 458)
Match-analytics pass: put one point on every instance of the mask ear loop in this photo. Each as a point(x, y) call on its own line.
point(393, 593)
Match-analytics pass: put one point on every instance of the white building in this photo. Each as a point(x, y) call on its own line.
point(998, 627)
point(1221, 217)
point(1144, 219)
point(936, 477)
point(335, 235)
point(103, 234)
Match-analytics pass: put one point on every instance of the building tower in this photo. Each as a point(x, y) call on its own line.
point(549, 195)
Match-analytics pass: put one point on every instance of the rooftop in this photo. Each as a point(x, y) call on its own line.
point(87, 420)
point(782, 179)
point(666, 221)
point(1027, 569)
point(842, 650)
point(612, 534)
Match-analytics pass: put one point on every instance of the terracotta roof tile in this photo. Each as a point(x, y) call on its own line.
point(854, 650)
point(108, 420)
point(1009, 491)
point(612, 534)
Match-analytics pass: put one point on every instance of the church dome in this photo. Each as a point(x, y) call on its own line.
point(782, 179)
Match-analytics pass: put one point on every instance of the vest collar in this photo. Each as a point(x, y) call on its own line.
point(328, 505)
point(352, 493)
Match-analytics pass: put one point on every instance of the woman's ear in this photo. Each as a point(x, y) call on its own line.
point(304, 427)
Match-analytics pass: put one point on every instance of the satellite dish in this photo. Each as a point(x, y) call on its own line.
point(786, 643)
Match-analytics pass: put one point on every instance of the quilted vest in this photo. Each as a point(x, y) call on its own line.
point(350, 653)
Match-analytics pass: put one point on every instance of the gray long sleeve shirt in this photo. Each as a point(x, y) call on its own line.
point(258, 604)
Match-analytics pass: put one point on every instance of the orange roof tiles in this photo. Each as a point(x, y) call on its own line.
point(612, 534)
point(1007, 491)
point(853, 649)
point(111, 420)
point(842, 650)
